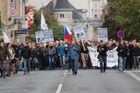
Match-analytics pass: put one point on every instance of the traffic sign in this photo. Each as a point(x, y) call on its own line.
point(23, 31)
point(120, 34)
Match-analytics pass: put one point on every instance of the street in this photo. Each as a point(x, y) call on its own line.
point(62, 81)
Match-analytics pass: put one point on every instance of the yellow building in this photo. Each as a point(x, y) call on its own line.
point(11, 10)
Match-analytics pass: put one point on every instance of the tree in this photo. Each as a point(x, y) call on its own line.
point(52, 23)
point(123, 15)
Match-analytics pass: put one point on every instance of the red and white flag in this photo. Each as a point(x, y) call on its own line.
point(44, 25)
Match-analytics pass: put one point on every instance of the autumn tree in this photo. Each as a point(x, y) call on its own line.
point(123, 15)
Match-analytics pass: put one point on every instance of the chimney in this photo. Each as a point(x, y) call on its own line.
point(54, 2)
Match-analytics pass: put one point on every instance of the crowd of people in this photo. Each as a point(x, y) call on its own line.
point(31, 56)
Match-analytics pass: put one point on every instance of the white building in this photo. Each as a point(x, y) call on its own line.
point(93, 7)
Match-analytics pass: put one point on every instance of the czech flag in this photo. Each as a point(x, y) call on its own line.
point(67, 33)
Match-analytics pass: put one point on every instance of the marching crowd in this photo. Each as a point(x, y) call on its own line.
point(31, 56)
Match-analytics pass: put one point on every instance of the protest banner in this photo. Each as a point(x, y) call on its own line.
point(94, 56)
point(79, 32)
point(39, 36)
point(112, 57)
point(103, 34)
point(44, 36)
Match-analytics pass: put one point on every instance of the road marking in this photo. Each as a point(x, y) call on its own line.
point(134, 71)
point(61, 82)
point(59, 88)
point(134, 76)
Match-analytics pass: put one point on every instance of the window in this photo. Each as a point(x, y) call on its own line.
point(95, 16)
point(61, 15)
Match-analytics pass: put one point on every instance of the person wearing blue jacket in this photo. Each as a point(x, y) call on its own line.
point(74, 53)
point(61, 54)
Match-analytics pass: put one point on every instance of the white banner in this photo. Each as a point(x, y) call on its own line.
point(79, 32)
point(93, 56)
point(112, 57)
point(44, 36)
point(103, 34)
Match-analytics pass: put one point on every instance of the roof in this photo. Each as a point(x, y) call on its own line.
point(50, 6)
point(76, 15)
point(64, 5)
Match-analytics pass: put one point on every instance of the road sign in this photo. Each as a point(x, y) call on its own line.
point(120, 34)
point(23, 31)
point(17, 21)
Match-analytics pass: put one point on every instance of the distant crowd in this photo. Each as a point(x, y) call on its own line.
point(31, 56)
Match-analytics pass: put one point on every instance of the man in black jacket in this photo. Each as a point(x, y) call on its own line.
point(122, 53)
point(102, 49)
point(135, 55)
point(26, 54)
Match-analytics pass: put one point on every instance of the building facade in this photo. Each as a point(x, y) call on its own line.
point(64, 12)
point(13, 17)
point(94, 7)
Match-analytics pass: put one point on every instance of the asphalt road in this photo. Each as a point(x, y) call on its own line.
point(36, 82)
point(95, 82)
point(61, 81)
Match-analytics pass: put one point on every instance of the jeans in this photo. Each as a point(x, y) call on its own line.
point(62, 61)
point(51, 62)
point(26, 66)
point(136, 61)
point(102, 60)
point(74, 66)
point(122, 63)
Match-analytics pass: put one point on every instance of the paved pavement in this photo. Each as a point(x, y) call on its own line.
point(61, 81)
